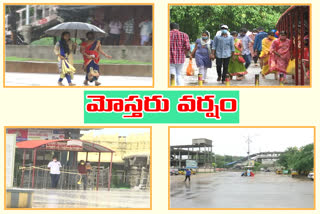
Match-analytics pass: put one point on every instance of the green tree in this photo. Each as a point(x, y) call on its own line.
point(286, 158)
point(194, 19)
point(257, 166)
point(300, 159)
point(304, 159)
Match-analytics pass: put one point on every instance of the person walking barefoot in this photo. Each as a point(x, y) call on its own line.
point(91, 50)
point(64, 50)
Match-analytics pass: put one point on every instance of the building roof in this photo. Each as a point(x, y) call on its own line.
point(41, 144)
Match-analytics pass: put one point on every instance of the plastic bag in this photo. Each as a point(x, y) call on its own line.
point(93, 73)
point(241, 59)
point(190, 69)
point(291, 68)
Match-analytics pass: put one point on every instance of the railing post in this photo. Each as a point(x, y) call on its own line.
point(296, 13)
point(302, 45)
point(34, 165)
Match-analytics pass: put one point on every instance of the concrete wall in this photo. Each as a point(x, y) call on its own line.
point(51, 67)
point(136, 53)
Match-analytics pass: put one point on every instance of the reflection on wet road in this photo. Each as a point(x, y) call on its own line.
point(230, 190)
point(91, 199)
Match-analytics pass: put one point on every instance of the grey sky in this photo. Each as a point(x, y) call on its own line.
point(120, 131)
point(232, 141)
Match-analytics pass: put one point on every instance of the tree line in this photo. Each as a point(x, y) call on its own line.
point(298, 159)
point(194, 19)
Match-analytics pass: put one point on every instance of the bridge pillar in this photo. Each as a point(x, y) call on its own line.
point(26, 32)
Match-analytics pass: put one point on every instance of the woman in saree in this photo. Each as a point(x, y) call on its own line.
point(91, 50)
point(64, 50)
point(280, 54)
point(236, 66)
point(265, 55)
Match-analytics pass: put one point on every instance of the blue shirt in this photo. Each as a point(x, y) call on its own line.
point(188, 172)
point(257, 46)
point(223, 46)
point(245, 43)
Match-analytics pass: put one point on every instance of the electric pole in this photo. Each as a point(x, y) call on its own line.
point(248, 141)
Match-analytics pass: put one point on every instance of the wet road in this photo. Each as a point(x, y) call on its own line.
point(249, 79)
point(33, 79)
point(230, 190)
point(91, 199)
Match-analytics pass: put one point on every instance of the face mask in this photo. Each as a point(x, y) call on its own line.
point(224, 32)
point(54, 160)
point(204, 37)
point(82, 163)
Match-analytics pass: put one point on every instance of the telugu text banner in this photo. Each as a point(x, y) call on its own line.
point(161, 106)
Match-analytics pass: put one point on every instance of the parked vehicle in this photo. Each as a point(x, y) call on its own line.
point(311, 176)
point(294, 174)
point(182, 171)
point(174, 172)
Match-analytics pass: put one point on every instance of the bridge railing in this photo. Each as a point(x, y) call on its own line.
point(46, 14)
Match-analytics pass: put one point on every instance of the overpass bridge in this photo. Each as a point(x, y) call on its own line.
point(267, 158)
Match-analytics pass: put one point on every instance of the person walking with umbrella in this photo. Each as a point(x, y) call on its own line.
point(91, 50)
point(64, 50)
point(78, 30)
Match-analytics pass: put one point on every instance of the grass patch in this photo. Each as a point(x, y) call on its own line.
point(48, 41)
point(13, 58)
point(102, 61)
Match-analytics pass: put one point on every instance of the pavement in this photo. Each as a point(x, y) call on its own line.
point(35, 79)
point(230, 190)
point(249, 79)
point(50, 198)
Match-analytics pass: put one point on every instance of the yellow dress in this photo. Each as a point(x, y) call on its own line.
point(61, 65)
point(266, 45)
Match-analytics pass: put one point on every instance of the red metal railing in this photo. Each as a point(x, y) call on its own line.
point(296, 23)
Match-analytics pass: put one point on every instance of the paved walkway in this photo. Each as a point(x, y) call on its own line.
point(32, 79)
point(249, 79)
point(116, 198)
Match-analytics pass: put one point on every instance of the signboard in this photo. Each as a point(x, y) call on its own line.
point(191, 164)
point(57, 134)
point(74, 143)
point(285, 171)
point(10, 154)
point(63, 145)
point(40, 134)
point(251, 163)
point(21, 134)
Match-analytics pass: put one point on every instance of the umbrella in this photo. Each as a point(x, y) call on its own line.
point(76, 29)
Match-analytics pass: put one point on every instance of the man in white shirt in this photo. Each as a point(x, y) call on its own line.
point(115, 30)
point(223, 27)
point(54, 167)
point(146, 31)
point(128, 28)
